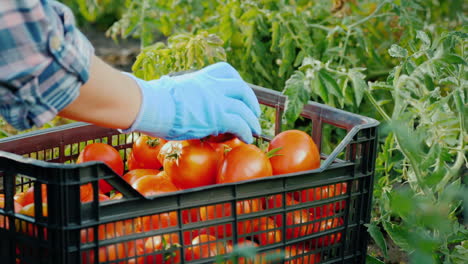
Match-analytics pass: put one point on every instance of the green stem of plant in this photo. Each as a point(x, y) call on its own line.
point(460, 159)
point(348, 34)
point(142, 19)
point(408, 155)
point(293, 36)
point(377, 106)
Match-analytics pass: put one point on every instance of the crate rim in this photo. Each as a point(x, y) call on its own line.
point(366, 121)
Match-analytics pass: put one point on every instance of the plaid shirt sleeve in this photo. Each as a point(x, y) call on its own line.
point(44, 60)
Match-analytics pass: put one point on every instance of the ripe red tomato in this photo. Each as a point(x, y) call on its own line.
point(325, 192)
point(116, 196)
point(300, 220)
point(17, 208)
point(167, 242)
point(204, 246)
point(276, 201)
point(169, 147)
point(298, 152)
point(105, 153)
point(318, 193)
point(297, 255)
point(145, 151)
point(233, 143)
point(28, 228)
point(132, 163)
point(150, 185)
point(135, 248)
point(223, 148)
point(132, 175)
point(110, 231)
point(29, 210)
point(191, 215)
point(86, 194)
point(192, 165)
point(224, 210)
point(268, 232)
point(19, 198)
point(29, 195)
point(102, 197)
point(159, 221)
point(245, 162)
point(339, 189)
point(107, 254)
point(326, 224)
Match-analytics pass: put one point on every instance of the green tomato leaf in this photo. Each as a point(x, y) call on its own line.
point(378, 237)
point(410, 140)
point(297, 96)
point(397, 51)
point(359, 86)
point(275, 32)
point(398, 234)
point(421, 35)
point(453, 59)
point(319, 88)
point(330, 83)
point(410, 66)
point(429, 82)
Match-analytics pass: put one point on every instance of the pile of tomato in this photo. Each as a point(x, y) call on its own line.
point(155, 166)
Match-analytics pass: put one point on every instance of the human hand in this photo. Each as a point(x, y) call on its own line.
point(211, 101)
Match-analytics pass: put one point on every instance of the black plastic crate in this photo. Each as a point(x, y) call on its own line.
point(67, 234)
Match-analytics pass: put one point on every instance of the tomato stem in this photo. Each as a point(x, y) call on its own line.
point(273, 152)
point(226, 149)
point(152, 142)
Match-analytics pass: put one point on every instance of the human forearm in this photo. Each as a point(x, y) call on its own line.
point(109, 98)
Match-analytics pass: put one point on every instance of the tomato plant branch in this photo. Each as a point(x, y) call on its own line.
point(377, 106)
point(142, 24)
point(343, 51)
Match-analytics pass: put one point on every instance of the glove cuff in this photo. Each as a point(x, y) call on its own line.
point(157, 111)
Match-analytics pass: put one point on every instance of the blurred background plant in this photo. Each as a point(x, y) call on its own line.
point(401, 62)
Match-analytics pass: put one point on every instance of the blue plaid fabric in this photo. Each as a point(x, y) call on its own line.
point(44, 60)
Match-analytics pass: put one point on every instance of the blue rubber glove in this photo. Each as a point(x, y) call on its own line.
point(210, 101)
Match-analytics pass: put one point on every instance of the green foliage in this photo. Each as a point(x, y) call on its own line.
point(388, 59)
point(183, 52)
point(422, 160)
point(98, 12)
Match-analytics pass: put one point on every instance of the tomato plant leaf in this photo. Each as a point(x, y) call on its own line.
point(424, 38)
point(288, 54)
point(297, 96)
point(319, 88)
point(453, 59)
point(275, 32)
point(398, 234)
point(397, 51)
point(359, 86)
point(378, 237)
point(330, 83)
